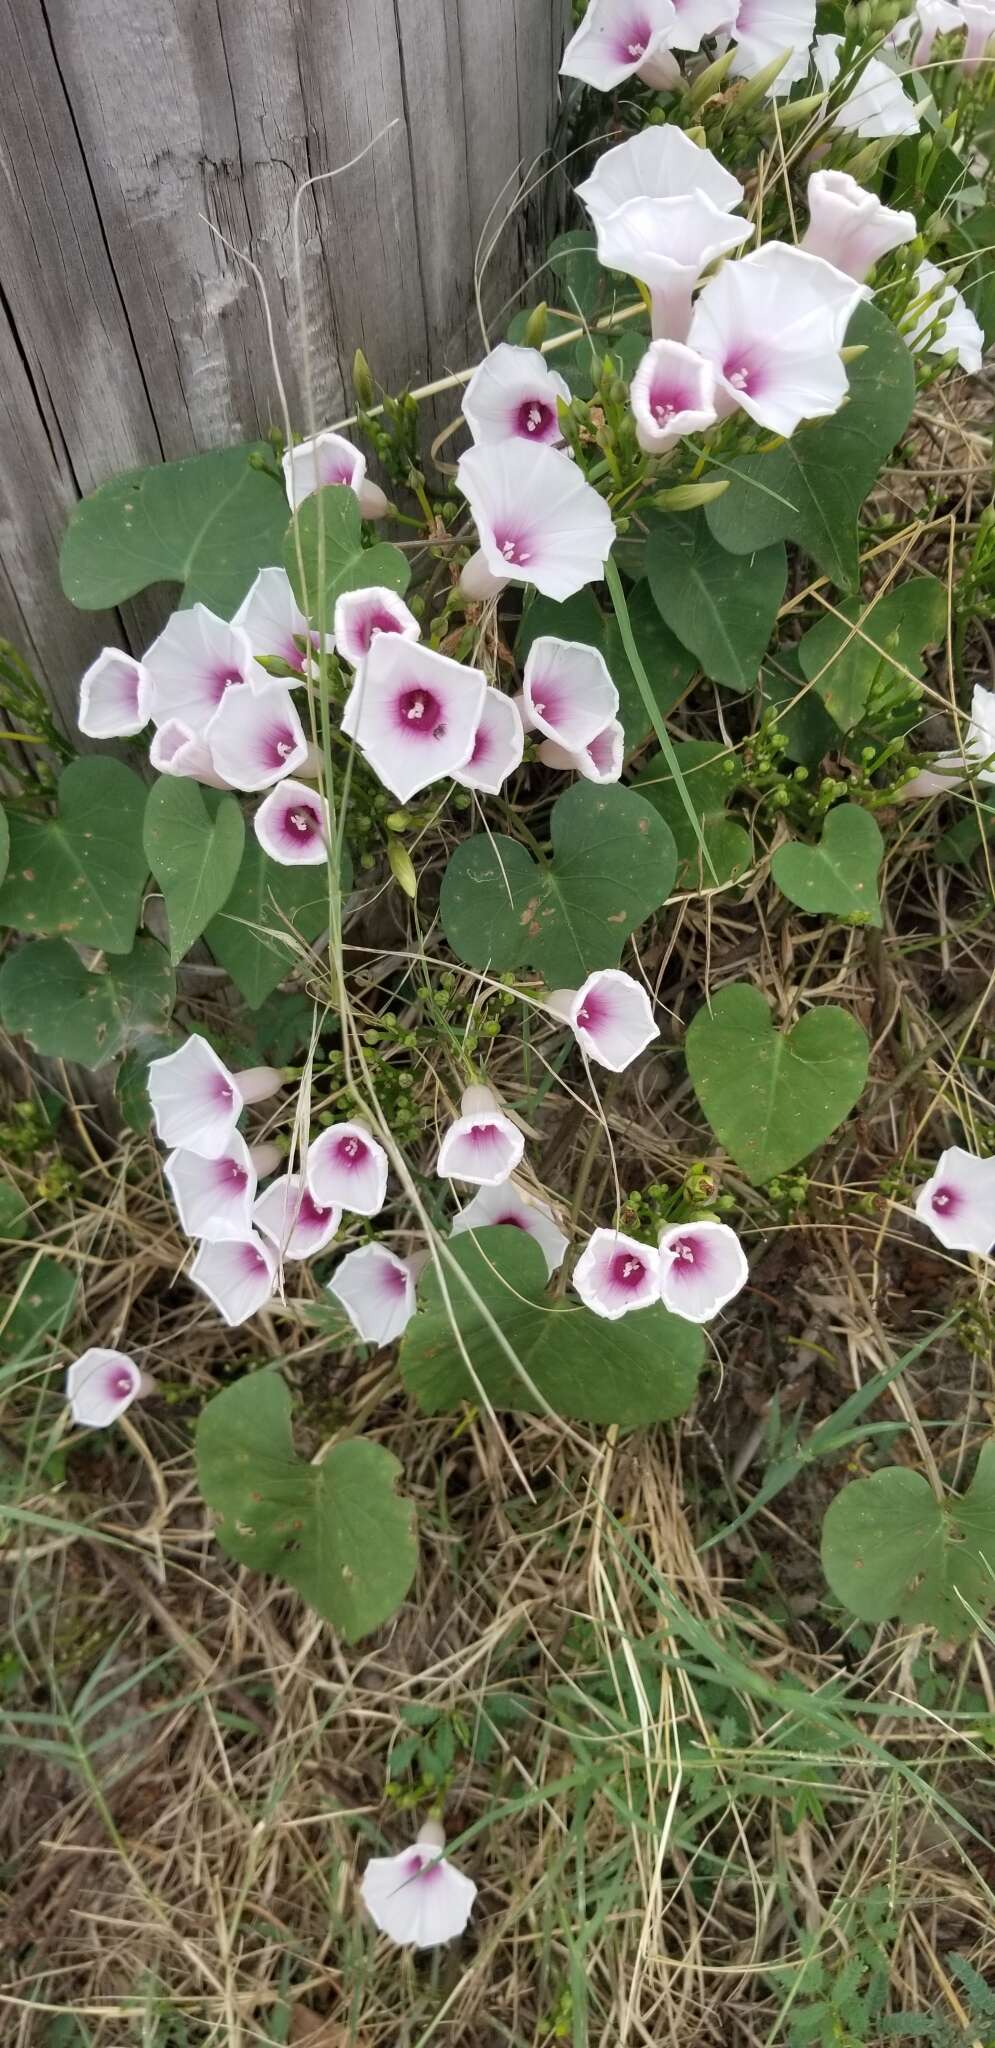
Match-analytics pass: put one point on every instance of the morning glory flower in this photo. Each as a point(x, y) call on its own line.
point(667, 243)
point(292, 1220)
point(600, 761)
point(482, 1145)
point(256, 737)
point(849, 227)
point(418, 1898)
point(377, 1291)
point(198, 660)
point(196, 1102)
point(538, 519)
point(958, 1202)
point(237, 1274)
point(616, 1273)
point(100, 1385)
point(958, 327)
point(115, 696)
point(506, 1205)
point(177, 750)
point(414, 713)
point(498, 746)
point(611, 1016)
point(361, 614)
point(878, 106)
point(702, 1266)
point(618, 38)
point(765, 30)
point(274, 622)
point(658, 163)
point(950, 770)
point(568, 694)
point(292, 825)
point(671, 394)
point(347, 1169)
point(513, 393)
point(214, 1197)
point(979, 17)
point(772, 325)
point(931, 18)
point(329, 458)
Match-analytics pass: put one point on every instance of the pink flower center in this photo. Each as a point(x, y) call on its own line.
point(687, 1253)
point(277, 745)
point(336, 470)
point(536, 419)
point(292, 654)
point(222, 679)
point(394, 1278)
point(515, 547)
point(232, 1177)
point(627, 1271)
point(632, 42)
point(744, 370)
point(222, 1092)
point(592, 1011)
point(424, 1864)
point(667, 400)
point(512, 1222)
point(302, 821)
point(310, 1214)
point(946, 1201)
point(375, 622)
point(119, 1383)
point(253, 1263)
point(420, 711)
point(352, 1151)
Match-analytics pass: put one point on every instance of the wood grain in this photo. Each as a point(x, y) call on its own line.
point(129, 130)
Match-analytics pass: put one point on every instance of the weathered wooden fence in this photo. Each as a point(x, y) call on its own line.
point(129, 333)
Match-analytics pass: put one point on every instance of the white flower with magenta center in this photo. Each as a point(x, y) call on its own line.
point(196, 661)
point(611, 1016)
point(513, 395)
point(256, 737)
point(329, 458)
point(615, 1274)
point(214, 1197)
point(702, 1267)
point(100, 1386)
point(958, 1202)
point(294, 1222)
point(772, 325)
point(197, 1103)
point(377, 1291)
point(506, 1206)
point(539, 521)
point(414, 713)
point(671, 394)
point(237, 1274)
point(418, 1898)
point(361, 614)
point(849, 227)
point(115, 696)
point(617, 38)
point(568, 693)
point(347, 1169)
point(292, 825)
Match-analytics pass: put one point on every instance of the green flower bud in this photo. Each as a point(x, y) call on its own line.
point(536, 325)
point(362, 381)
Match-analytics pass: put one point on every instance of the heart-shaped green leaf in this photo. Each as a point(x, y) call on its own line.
point(720, 605)
point(710, 776)
point(668, 665)
point(194, 842)
point(336, 1531)
point(13, 1213)
point(48, 997)
point(330, 519)
point(643, 1369)
point(771, 1096)
point(131, 1082)
point(802, 717)
point(43, 1294)
point(81, 873)
point(613, 862)
point(872, 643)
point(889, 1547)
point(838, 877)
point(812, 487)
point(208, 522)
point(268, 911)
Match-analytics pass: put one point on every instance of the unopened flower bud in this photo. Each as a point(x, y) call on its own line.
point(362, 381)
point(536, 325)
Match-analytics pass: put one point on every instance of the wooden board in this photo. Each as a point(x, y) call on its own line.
point(131, 333)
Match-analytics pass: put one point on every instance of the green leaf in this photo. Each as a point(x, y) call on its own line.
point(872, 643)
point(4, 843)
point(332, 514)
point(719, 605)
point(194, 843)
point(811, 489)
point(336, 1531)
point(644, 1370)
point(771, 1096)
point(613, 862)
point(13, 1212)
point(668, 665)
point(806, 725)
point(48, 997)
point(710, 776)
point(43, 1294)
point(588, 288)
point(890, 1548)
point(839, 876)
point(253, 937)
point(958, 845)
point(80, 874)
point(208, 522)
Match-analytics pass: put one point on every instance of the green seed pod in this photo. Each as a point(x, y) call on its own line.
point(685, 497)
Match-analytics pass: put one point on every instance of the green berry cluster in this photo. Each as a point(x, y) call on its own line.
point(788, 1192)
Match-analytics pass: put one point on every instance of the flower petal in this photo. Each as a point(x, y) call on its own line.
point(293, 1221)
point(613, 1018)
point(292, 825)
point(214, 1196)
point(256, 737)
point(196, 1102)
point(361, 614)
point(100, 1385)
point(377, 1291)
point(347, 1169)
point(115, 696)
point(484, 1147)
point(958, 1202)
point(568, 693)
point(238, 1275)
point(415, 714)
point(702, 1267)
point(498, 746)
point(616, 1273)
point(513, 393)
